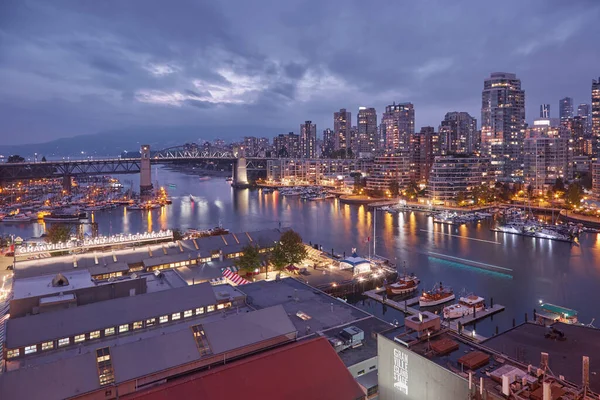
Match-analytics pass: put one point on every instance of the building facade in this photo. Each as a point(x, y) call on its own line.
point(286, 145)
point(565, 108)
point(388, 168)
point(596, 180)
point(328, 142)
point(322, 171)
point(545, 111)
point(546, 159)
point(342, 122)
point(398, 124)
point(454, 174)
point(367, 130)
point(596, 114)
point(503, 123)
point(308, 140)
point(457, 132)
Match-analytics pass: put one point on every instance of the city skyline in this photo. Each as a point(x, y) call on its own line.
point(81, 70)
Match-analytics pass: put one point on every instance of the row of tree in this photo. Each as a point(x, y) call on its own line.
point(288, 250)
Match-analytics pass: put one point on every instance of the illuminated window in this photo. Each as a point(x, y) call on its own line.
point(187, 313)
point(31, 349)
point(79, 338)
point(105, 370)
point(137, 325)
point(109, 331)
point(199, 310)
point(150, 322)
point(163, 319)
point(13, 353)
point(210, 308)
point(123, 328)
point(47, 346)
point(175, 316)
point(94, 335)
point(64, 342)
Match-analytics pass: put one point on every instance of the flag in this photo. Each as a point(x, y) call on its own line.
point(368, 239)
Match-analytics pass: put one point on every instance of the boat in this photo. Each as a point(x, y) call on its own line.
point(229, 179)
point(438, 295)
point(204, 178)
point(16, 218)
point(553, 313)
point(65, 215)
point(405, 284)
point(465, 306)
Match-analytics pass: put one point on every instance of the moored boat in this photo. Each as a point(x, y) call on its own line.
point(438, 295)
point(16, 218)
point(466, 306)
point(404, 285)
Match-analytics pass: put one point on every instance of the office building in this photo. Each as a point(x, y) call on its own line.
point(596, 112)
point(286, 145)
point(398, 124)
point(545, 111)
point(308, 140)
point(328, 143)
point(458, 131)
point(502, 123)
point(367, 130)
point(352, 142)
point(546, 159)
point(578, 138)
point(388, 168)
point(342, 123)
point(425, 145)
point(454, 174)
point(565, 109)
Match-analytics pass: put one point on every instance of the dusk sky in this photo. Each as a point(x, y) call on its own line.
point(80, 67)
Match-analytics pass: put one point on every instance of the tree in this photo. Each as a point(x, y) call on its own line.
point(559, 185)
point(44, 159)
point(529, 191)
point(177, 235)
point(59, 233)
point(394, 188)
point(574, 194)
point(412, 190)
point(250, 260)
point(461, 198)
point(15, 158)
point(289, 250)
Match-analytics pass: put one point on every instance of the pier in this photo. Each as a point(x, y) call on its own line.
point(406, 307)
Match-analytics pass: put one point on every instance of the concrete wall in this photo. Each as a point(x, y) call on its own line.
point(365, 366)
point(405, 375)
point(93, 294)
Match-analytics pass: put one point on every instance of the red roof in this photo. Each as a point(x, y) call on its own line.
point(309, 369)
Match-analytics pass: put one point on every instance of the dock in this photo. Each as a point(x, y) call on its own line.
point(406, 307)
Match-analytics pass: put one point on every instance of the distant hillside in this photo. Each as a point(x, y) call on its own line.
point(116, 141)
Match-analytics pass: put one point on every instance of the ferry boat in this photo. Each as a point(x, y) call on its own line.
point(438, 295)
point(551, 313)
point(404, 285)
point(465, 306)
point(65, 216)
point(16, 218)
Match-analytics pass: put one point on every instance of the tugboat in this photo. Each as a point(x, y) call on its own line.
point(437, 295)
point(405, 284)
point(465, 306)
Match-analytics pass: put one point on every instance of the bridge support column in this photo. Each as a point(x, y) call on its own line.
point(145, 173)
point(240, 175)
point(66, 184)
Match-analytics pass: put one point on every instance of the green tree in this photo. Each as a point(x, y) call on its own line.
point(250, 260)
point(529, 191)
point(289, 250)
point(15, 158)
point(461, 198)
point(412, 190)
point(574, 194)
point(394, 188)
point(59, 233)
point(559, 185)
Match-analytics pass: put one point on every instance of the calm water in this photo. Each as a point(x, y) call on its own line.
point(560, 273)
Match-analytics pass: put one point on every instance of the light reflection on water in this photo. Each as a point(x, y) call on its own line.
point(556, 272)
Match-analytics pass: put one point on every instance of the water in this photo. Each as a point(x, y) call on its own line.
point(555, 272)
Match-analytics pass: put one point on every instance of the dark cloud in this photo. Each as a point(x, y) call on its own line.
point(73, 67)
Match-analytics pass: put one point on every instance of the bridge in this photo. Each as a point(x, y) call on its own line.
point(113, 166)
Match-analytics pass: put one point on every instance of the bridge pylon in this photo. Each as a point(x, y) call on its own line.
point(145, 173)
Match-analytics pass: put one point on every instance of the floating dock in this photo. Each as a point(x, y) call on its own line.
point(405, 306)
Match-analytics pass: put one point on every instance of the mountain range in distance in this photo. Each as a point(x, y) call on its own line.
point(114, 142)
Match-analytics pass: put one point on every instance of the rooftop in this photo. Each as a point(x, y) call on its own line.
point(264, 376)
point(526, 342)
point(42, 285)
point(309, 309)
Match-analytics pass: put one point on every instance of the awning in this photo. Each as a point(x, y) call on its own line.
point(234, 278)
point(217, 281)
point(233, 269)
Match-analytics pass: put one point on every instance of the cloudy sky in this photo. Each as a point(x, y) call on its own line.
point(83, 66)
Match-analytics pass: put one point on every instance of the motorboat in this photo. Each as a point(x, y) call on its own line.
point(465, 306)
point(404, 285)
point(16, 218)
point(65, 215)
point(438, 295)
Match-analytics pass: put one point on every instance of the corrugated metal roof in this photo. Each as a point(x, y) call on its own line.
point(104, 314)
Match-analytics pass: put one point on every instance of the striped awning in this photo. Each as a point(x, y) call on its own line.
point(233, 269)
point(217, 281)
point(234, 278)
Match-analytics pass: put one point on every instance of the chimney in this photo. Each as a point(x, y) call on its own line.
point(547, 392)
point(505, 385)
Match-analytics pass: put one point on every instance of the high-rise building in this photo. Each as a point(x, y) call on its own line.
point(502, 123)
point(367, 129)
point(585, 111)
point(352, 141)
point(546, 159)
point(578, 135)
point(328, 143)
point(565, 109)
point(342, 121)
point(454, 174)
point(596, 110)
point(388, 168)
point(398, 124)
point(308, 140)
point(545, 111)
point(286, 146)
point(457, 133)
point(424, 147)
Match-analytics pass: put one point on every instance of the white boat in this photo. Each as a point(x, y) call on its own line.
point(16, 218)
point(465, 306)
point(438, 295)
point(404, 285)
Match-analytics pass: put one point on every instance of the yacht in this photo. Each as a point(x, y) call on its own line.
point(65, 215)
point(16, 218)
point(466, 306)
point(404, 285)
point(438, 295)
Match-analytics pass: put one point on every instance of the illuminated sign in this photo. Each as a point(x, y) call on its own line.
point(401, 371)
point(94, 242)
